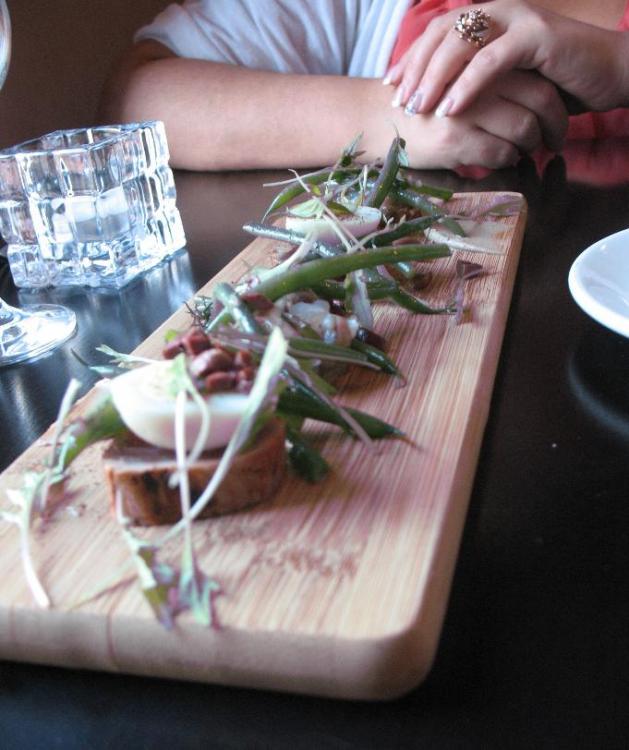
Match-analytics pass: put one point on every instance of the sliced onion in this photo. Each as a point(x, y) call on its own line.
point(363, 221)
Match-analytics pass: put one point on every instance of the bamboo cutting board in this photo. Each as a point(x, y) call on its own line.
point(335, 589)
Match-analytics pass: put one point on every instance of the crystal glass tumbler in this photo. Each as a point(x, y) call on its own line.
point(89, 207)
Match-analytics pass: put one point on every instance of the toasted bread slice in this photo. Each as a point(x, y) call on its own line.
point(137, 476)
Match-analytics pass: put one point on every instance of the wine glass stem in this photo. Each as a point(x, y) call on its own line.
point(7, 313)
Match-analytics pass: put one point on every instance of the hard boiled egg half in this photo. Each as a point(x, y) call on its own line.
point(146, 405)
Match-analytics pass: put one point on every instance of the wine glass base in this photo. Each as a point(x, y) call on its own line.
point(34, 330)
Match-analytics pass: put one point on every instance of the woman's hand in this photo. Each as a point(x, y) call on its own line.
point(513, 116)
point(588, 63)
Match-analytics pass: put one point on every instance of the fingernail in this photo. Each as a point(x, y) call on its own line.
point(386, 80)
point(413, 104)
point(397, 98)
point(444, 107)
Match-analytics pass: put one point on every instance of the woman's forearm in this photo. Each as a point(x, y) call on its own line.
point(227, 117)
point(221, 117)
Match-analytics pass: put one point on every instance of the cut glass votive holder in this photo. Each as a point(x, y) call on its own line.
point(89, 207)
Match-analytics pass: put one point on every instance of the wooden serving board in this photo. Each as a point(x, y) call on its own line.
point(335, 589)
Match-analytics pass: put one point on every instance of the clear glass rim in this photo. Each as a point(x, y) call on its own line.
point(115, 132)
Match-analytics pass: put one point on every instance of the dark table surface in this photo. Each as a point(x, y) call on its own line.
point(534, 650)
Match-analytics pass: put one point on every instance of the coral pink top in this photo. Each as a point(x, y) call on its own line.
point(588, 125)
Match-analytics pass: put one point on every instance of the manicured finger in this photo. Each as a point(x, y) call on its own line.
point(394, 74)
point(394, 78)
point(415, 62)
point(484, 68)
point(455, 48)
point(446, 64)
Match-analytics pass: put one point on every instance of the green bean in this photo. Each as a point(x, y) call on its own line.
point(407, 197)
point(409, 302)
point(236, 308)
point(220, 319)
point(315, 271)
point(302, 347)
point(318, 382)
point(272, 232)
point(379, 288)
point(305, 330)
point(302, 401)
point(328, 289)
point(305, 460)
point(294, 238)
point(374, 427)
point(376, 356)
point(321, 250)
point(404, 229)
point(335, 290)
point(423, 189)
point(385, 180)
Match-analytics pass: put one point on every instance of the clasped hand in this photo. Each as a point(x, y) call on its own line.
point(504, 85)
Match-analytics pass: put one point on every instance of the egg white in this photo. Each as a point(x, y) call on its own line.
point(146, 407)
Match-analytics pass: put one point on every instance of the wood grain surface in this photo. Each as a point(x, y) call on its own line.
point(335, 589)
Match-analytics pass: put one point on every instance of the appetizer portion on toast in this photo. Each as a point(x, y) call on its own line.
point(216, 423)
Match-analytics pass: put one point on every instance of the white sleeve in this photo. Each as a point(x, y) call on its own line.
point(289, 36)
point(378, 34)
point(176, 27)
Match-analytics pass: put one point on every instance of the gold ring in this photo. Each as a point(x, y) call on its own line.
point(473, 26)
